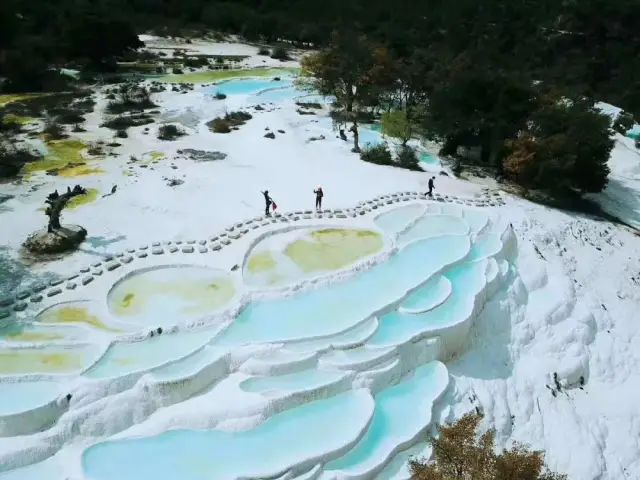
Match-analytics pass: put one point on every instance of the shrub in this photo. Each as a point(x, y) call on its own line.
point(131, 97)
point(67, 117)
point(122, 134)
point(378, 154)
point(53, 130)
point(123, 122)
point(459, 453)
point(78, 129)
point(263, 51)
point(280, 53)
point(229, 121)
point(177, 71)
point(220, 96)
point(13, 157)
point(170, 132)
point(311, 105)
point(196, 62)
point(219, 125)
point(408, 159)
point(623, 123)
point(565, 149)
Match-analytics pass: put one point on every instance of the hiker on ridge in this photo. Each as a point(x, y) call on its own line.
point(267, 203)
point(319, 194)
point(431, 186)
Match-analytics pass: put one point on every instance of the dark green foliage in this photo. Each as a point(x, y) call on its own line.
point(123, 122)
point(623, 123)
point(378, 154)
point(121, 134)
point(53, 130)
point(407, 158)
point(565, 148)
point(13, 157)
point(264, 51)
point(280, 53)
point(231, 120)
point(169, 132)
point(313, 105)
point(130, 97)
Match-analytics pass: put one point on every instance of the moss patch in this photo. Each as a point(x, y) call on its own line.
point(261, 262)
point(11, 98)
point(192, 292)
point(64, 157)
point(11, 119)
point(219, 75)
point(60, 360)
point(79, 201)
point(333, 249)
point(73, 314)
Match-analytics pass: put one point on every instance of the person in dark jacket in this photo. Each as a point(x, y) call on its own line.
point(319, 194)
point(431, 186)
point(267, 203)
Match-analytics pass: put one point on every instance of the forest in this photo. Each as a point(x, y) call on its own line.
point(516, 80)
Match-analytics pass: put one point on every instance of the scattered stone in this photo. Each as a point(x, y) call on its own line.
point(157, 251)
point(131, 250)
point(178, 242)
point(71, 286)
point(281, 131)
point(22, 295)
point(39, 287)
point(187, 249)
point(234, 236)
point(174, 182)
point(112, 266)
point(235, 267)
point(173, 249)
point(6, 302)
point(226, 241)
point(141, 254)
point(143, 247)
point(155, 244)
point(20, 307)
point(54, 292)
point(127, 259)
point(203, 250)
point(201, 155)
point(73, 277)
point(270, 135)
point(202, 242)
point(97, 272)
point(36, 299)
point(4, 314)
point(215, 247)
point(87, 280)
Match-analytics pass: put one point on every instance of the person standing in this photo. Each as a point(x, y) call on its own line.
point(319, 194)
point(431, 186)
point(267, 203)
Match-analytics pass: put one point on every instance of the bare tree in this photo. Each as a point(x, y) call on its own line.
point(56, 204)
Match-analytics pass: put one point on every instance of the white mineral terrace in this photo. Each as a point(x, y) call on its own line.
point(191, 337)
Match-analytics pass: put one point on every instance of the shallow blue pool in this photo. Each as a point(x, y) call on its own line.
point(248, 86)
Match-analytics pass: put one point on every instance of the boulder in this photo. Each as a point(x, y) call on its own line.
point(66, 238)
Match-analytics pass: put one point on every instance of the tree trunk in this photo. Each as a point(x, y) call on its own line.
point(356, 145)
point(57, 203)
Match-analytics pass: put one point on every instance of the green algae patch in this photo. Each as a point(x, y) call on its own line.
point(11, 119)
point(333, 249)
point(21, 361)
point(73, 314)
point(172, 292)
point(80, 200)
point(261, 262)
point(64, 158)
point(220, 75)
point(11, 98)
